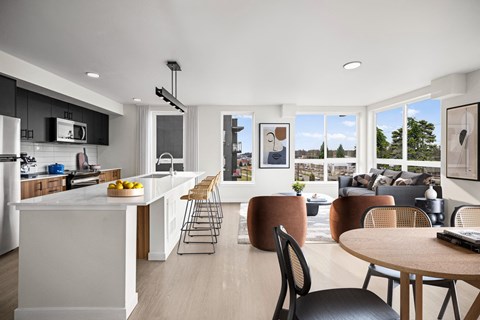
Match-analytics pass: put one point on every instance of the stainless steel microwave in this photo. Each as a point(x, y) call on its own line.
point(69, 131)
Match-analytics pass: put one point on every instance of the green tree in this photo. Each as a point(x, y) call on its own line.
point(420, 141)
point(382, 145)
point(322, 151)
point(340, 152)
point(312, 176)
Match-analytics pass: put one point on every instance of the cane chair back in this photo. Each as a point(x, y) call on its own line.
point(395, 217)
point(466, 217)
point(335, 304)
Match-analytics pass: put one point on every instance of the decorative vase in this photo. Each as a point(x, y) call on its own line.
point(299, 193)
point(431, 193)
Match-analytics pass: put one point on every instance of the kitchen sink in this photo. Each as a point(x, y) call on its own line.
point(156, 175)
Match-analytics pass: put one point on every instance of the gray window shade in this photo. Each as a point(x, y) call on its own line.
point(170, 135)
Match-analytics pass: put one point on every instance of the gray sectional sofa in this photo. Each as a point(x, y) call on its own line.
point(402, 185)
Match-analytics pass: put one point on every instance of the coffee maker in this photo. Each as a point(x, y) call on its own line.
point(28, 166)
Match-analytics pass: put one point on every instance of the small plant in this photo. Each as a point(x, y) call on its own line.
point(297, 186)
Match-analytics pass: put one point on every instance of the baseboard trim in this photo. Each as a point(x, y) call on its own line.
point(71, 313)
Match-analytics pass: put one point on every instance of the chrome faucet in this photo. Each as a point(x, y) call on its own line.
point(171, 161)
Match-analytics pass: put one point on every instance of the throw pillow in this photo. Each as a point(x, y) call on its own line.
point(424, 179)
point(381, 181)
point(372, 181)
point(403, 182)
point(391, 173)
point(360, 180)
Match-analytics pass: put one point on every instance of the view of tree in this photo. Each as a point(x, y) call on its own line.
point(382, 145)
point(340, 152)
point(420, 143)
point(322, 151)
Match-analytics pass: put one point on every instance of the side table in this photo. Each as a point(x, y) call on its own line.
point(435, 208)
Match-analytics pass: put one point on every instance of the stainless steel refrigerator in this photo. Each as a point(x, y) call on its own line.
point(9, 182)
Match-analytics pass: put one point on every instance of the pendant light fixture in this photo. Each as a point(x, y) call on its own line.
point(167, 96)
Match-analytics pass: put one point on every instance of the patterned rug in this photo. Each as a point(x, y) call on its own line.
point(318, 227)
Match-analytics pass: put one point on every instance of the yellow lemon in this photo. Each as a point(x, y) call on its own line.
point(139, 185)
point(112, 186)
point(119, 186)
point(119, 181)
point(129, 185)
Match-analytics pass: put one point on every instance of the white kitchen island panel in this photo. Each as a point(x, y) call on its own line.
point(77, 256)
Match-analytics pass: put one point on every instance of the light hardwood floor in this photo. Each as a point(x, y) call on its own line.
point(237, 282)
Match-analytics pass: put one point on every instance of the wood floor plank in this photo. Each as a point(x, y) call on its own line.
point(237, 282)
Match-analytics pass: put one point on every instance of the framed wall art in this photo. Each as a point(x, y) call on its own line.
point(462, 142)
point(274, 145)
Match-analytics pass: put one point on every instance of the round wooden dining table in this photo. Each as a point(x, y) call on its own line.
point(416, 251)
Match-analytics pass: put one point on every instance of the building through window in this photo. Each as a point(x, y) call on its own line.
point(237, 147)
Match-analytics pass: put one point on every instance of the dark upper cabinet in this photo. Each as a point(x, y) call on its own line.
point(22, 111)
point(34, 111)
point(62, 109)
point(97, 127)
point(39, 114)
point(7, 96)
point(76, 112)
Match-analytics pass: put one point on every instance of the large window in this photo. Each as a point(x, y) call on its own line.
point(325, 146)
point(408, 138)
point(237, 147)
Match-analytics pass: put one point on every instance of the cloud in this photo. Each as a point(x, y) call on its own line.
point(336, 136)
point(384, 127)
point(412, 112)
point(315, 135)
point(349, 123)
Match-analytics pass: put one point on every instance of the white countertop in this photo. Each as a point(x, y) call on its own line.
point(96, 196)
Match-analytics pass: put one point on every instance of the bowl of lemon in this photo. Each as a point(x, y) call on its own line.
point(125, 188)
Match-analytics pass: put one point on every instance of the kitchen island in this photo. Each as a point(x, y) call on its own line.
point(77, 257)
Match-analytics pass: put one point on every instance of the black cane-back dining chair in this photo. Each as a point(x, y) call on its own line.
point(404, 217)
point(330, 304)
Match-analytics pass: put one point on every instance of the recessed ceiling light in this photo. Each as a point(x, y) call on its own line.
point(352, 65)
point(92, 74)
point(137, 99)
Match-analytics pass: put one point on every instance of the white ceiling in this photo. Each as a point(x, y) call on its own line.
point(249, 52)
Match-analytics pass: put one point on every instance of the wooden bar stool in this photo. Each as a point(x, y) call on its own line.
point(194, 224)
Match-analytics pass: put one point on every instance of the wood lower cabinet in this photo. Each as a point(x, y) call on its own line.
point(42, 187)
point(110, 175)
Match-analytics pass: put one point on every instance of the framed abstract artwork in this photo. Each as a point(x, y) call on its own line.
point(462, 142)
point(274, 145)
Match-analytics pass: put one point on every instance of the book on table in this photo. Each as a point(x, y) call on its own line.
point(458, 241)
point(472, 236)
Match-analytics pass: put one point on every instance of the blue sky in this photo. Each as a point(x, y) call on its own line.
point(309, 131)
point(428, 110)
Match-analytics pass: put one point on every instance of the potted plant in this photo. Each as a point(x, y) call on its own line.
point(297, 186)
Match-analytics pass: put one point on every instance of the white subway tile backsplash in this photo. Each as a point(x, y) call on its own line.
point(50, 153)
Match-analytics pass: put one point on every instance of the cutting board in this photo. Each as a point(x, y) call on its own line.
point(81, 161)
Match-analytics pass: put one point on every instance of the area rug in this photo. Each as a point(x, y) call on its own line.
point(318, 227)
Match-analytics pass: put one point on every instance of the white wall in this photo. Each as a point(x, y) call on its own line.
point(460, 192)
point(266, 181)
point(121, 151)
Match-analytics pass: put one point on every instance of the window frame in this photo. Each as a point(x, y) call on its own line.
point(403, 162)
point(254, 146)
point(326, 161)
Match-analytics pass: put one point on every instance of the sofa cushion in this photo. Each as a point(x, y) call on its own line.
point(424, 179)
point(403, 182)
point(355, 191)
point(376, 171)
point(392, 174)
point(382, 181)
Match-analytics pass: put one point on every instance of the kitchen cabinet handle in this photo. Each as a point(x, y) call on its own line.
point(28, 134)
point(70, 115)
point(23, 134)
point(65, 114)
